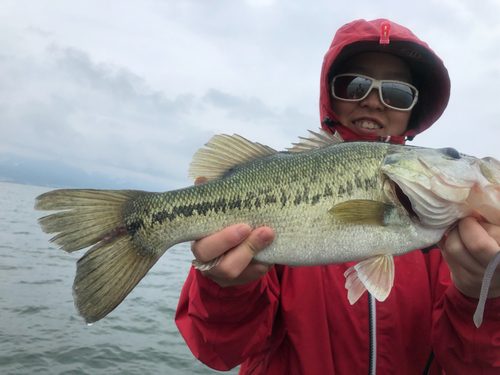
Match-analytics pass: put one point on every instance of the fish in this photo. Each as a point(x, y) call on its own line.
point(328, 202)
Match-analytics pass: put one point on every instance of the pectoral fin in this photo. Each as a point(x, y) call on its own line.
point(362, 212)
point(375, 275)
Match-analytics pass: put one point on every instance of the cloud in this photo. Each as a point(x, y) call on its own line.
point(103, 117)
point(134, 90)
point(92, 115)
point(246, 109)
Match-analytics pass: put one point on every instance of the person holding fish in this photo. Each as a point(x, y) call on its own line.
point(379, 82)
point(324, 216)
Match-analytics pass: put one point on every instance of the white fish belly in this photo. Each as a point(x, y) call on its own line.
point(311, 245)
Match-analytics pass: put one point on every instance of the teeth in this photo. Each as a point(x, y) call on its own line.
point(368, 125)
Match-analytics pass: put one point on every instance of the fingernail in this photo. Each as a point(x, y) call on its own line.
point(243, 231)
point(265, 237)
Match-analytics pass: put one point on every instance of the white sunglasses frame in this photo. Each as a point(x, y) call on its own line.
point(376, 83)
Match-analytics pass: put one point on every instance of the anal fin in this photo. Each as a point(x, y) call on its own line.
point(375, 274)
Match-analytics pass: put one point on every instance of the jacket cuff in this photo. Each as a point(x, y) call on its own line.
point(215, 304)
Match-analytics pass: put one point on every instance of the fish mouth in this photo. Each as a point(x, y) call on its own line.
point(405, 201)
point(436, 205)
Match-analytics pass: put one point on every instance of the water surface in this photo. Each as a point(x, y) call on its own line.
point(40, 331)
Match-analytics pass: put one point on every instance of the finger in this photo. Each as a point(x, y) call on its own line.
point(238, 259)
point(476, 239)
point(457, 256)
point(253, 272)
point(212, 246)
point(466, 271)
point(441, 243)
point(492, 230)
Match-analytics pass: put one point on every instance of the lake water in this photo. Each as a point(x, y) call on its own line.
point(40, 331)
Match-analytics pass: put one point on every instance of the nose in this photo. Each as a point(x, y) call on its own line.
point(372, 100)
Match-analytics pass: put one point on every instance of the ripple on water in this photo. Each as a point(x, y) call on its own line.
point(42, 282)
point(31, 310)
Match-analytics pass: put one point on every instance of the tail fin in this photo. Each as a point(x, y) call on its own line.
point(109, 271)
point(106, 274)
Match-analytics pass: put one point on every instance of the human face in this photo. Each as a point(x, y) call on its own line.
point(370, 116)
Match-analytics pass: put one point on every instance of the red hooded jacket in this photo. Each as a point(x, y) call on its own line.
point(299, 321)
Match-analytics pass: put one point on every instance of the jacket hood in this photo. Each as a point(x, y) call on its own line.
point(429, 73)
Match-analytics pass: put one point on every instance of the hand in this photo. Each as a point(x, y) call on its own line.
point(467, 250)
point(239, 244)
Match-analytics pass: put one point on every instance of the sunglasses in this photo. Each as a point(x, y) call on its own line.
point(393, 94)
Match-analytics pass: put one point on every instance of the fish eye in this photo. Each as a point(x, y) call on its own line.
point(452, 153)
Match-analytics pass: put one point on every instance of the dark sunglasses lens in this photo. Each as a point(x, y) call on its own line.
point(398, 95)
point(351, 87)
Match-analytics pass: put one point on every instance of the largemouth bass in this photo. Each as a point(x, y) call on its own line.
point(328, 202)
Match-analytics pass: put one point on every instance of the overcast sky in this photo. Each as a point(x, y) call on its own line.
point(134, 88)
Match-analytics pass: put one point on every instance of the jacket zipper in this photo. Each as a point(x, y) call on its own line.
point(372, 314)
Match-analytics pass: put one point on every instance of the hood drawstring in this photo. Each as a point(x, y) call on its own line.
point(330, 124)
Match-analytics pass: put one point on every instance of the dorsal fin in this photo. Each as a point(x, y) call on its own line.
point(225, 152)
point(315, 141)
